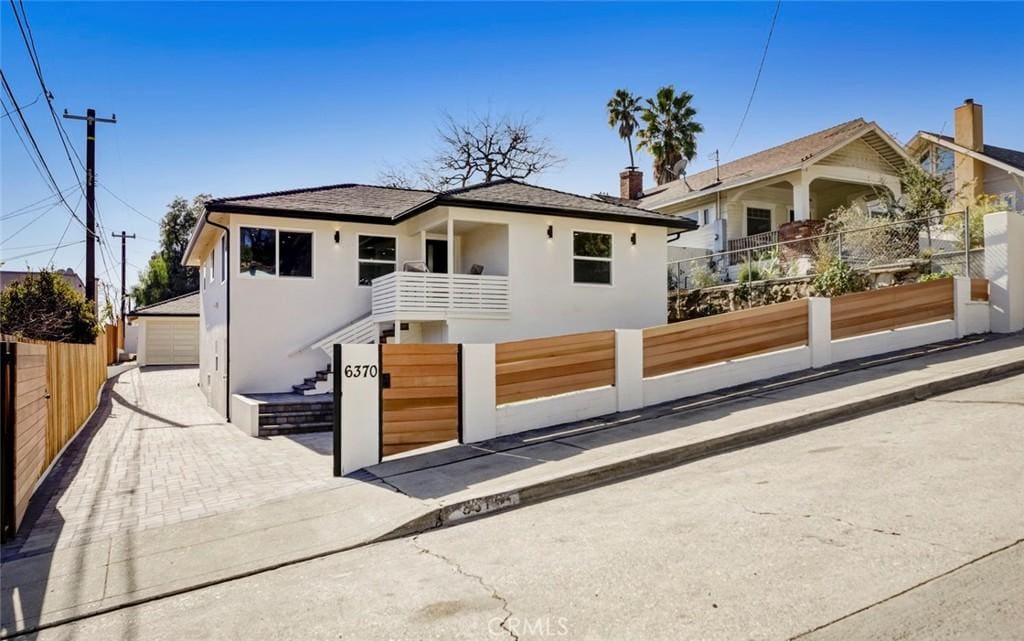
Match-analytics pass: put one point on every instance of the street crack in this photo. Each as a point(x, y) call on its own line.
point(851, 524)
point(479, 579)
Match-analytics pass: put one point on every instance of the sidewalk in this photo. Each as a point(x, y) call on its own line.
point(426, 490)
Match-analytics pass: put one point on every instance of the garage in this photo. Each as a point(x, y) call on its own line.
point(168, 331)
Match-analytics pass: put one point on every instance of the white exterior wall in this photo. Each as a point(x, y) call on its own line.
point(273, 318)
point(213, 329)
point(543, 299)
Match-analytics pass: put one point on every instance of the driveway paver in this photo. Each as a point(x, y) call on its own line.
point(160, 455)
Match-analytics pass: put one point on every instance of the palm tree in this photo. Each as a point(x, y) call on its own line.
point(622, 109)
point(671, 132)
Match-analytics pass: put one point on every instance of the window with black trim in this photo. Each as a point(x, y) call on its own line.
point(591, 258)
point(269, 252)
point(759, 220)
point(377, 257)
point(295, 254)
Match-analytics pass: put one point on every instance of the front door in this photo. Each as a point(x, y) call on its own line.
point(437, 256)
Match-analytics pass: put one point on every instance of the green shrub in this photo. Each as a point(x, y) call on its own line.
point(750, 272)
point(44, 307)
point(837, 278)
point(704, 277)
point(927, 278)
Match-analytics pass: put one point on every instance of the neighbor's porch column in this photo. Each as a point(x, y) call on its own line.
point(801, 198)
point(450, 244)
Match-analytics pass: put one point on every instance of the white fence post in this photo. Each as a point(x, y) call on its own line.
point(819, 330)
point(629, 369)
point(961, 298)
point(479, 393)
point(360, 406)
point(1004, 269)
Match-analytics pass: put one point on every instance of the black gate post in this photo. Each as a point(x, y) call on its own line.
point(458, 391)
point(336, 367)
point(8, 361)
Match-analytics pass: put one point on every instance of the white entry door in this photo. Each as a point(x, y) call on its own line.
point(172, 341)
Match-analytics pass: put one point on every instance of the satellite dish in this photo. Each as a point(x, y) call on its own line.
point(679, 169)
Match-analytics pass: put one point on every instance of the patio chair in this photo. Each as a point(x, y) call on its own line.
point(476, 270)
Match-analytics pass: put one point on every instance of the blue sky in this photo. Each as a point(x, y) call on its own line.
point(235, 98)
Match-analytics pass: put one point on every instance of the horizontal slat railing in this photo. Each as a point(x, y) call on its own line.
point(702, 341)
point(549, 366)
point(888, 308)
point(420, 292)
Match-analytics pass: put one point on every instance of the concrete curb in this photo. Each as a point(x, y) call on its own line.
point(479, 507)
point(490, 504)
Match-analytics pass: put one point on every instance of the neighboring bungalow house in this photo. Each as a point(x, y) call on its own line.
point(287, 274)
point(165, 333)
point(745, 202)
point(971, 167)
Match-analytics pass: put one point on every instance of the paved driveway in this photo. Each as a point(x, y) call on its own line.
point(155, 455)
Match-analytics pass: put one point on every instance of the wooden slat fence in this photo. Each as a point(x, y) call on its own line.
point(979, 289)
point(55, 390)
point(420, 405)
point(702, 341)
point(891, 307)
point(548, 366)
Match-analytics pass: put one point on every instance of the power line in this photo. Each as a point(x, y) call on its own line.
point(33, 55)
point(24, 106)
point(757, 78)
point(41, 251)
point(35, 146)
point(35, 206)
point(127, 204)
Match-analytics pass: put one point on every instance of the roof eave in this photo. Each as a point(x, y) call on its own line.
point(971, 153)
point(668, 221)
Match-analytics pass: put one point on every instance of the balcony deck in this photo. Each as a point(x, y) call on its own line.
point(412, 296)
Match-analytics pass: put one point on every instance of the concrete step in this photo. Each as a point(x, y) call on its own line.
point(295, 428)
point(275, 408)
point(278, 418)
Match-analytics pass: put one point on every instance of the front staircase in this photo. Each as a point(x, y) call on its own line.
point(361, 330)
point(280, 415)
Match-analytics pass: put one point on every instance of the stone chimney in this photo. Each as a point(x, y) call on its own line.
point(631, 184)
point(968, 131)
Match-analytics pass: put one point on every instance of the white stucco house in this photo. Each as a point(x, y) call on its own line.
point(286, 274)
point(744, 203)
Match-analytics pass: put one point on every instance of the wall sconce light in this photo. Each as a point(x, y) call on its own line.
point(551, 231)
point(632, 238)
point(337, 236)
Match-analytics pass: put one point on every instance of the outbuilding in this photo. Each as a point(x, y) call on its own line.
point(168, 331)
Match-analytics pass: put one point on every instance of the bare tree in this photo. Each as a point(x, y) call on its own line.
point(482, 149)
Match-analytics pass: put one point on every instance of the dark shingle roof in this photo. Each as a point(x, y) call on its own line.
point(371, 203)
point(347, 199)
point(1011, 157)
point(517, 194)
point(184, 305)
point(762, 163)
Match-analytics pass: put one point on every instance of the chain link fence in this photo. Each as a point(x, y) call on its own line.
point(884, 253)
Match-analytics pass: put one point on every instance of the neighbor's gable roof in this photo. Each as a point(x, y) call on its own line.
point(184, 305)
point(774, 161)
point(1011, 160)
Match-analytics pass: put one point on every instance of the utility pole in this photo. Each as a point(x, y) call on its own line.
point(124, 292)
point(90, 197)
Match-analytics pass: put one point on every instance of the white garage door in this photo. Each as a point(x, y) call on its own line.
point(172, 342)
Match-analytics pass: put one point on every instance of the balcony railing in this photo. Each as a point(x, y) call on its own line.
point(754, 240)
point(421, 295)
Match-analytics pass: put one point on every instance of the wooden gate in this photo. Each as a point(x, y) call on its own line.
point(420, 390)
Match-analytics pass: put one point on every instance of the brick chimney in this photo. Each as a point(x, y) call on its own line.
point(631, 184)
point(968, 131)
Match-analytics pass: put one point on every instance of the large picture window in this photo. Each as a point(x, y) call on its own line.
point(591, 258)
point(269, 252)
point(759, 220)
point(376, 257)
